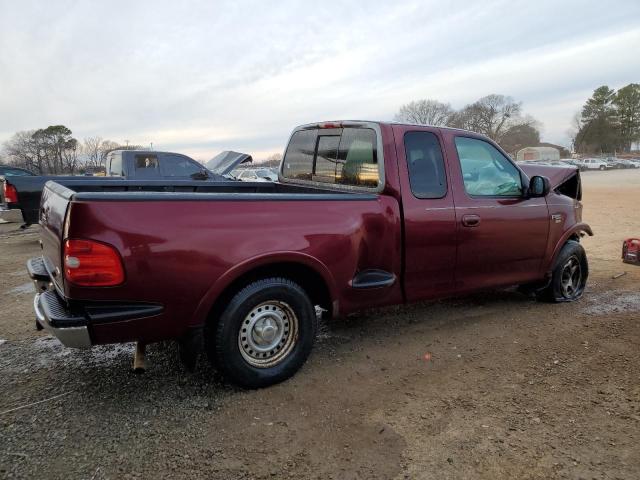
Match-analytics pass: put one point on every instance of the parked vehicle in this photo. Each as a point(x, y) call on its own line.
point(256, 175)
point(592, 164)
point(365, 214)
point(631, 163)
point(615, 162)
point(24, 193)
point(10, 171)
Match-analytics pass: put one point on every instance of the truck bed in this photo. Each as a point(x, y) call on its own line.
point(188, 241)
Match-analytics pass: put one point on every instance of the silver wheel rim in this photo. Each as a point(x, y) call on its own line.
point(268, 334)
point(571, 278)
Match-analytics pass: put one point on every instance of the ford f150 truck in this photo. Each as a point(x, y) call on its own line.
point(364, 214)
point(24, 193)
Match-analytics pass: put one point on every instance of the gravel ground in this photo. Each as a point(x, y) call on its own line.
point(489, 386)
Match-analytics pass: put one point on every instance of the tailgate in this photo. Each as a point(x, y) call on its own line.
point(53, 210)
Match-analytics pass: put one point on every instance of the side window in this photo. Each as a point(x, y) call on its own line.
point(146, 166)
point(486, 172)
point(427, 175)
point(178, 166)
point(346, 156)
point(115, 166)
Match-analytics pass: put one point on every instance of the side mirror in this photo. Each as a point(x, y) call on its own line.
point(539, 186)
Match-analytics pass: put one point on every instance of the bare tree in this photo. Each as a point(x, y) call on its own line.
point(425, 112)
point(493, 116)
point(91, 151)
point(69, 158)
point(21, 150)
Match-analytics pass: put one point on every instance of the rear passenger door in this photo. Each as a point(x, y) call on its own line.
point(429, 215)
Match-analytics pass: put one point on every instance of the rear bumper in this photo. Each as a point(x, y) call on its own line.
point(70, 336)
point(13, 215)
point(73, 321)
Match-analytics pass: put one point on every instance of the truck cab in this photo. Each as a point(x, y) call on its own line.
point(153, 165)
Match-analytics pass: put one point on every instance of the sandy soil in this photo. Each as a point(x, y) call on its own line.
point(514, 388)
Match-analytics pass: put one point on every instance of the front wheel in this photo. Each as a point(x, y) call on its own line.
point(569, 275)
point(264, 335)
point(602, 167)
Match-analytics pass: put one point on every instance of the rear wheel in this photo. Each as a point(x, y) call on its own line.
point(602, 167)
point(264, 335)
point(569, 276)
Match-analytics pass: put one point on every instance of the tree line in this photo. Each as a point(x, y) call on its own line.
point(54, 150)
point(609, 121)
point(499, 117)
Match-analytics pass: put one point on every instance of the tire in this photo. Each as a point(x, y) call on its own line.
point(264, 335)
point(602, 168)
point(569, 275)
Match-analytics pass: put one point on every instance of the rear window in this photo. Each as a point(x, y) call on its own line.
point(344, 156)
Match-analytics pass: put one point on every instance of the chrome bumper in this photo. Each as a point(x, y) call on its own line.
point(77, 337)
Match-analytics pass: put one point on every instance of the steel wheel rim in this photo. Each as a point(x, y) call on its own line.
point(571, 278)
point(268, 334)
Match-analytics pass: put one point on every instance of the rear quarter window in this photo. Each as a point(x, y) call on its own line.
point(146, 166)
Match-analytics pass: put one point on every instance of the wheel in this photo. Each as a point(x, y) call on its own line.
point(264, 335)
point(602, 167)
point(569, 275)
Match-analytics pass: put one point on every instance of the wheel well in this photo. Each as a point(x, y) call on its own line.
point(309, 279)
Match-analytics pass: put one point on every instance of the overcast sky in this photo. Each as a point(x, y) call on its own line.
point(204, 76)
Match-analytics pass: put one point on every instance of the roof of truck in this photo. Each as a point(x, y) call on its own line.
point(339, 123)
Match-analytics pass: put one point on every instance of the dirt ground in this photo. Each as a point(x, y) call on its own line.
point(514, 388)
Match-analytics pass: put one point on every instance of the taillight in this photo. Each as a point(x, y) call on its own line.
point(92, 264)
point(10, 193)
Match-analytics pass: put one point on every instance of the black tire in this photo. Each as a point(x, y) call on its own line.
point(602, 168)
point(288, 318)
point(569, 275)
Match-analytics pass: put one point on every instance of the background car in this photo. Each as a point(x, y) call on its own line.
point(9, 171)
point(256, 175)
point(593, 164)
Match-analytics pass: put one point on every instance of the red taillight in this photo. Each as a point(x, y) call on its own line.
point(10, 193)
point(92, 264)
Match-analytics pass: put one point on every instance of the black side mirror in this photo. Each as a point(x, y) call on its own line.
point(539, 186)
point(201, 175)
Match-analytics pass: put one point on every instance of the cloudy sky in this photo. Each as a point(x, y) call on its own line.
point(204, 76)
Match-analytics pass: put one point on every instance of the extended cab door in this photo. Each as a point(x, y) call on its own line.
point(429, 215)
point(502, 235)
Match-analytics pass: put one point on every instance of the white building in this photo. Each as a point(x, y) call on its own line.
point(541, 154)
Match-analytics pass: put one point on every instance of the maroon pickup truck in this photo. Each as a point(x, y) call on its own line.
point(364, 214)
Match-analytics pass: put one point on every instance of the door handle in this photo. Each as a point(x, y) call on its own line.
point(470, 220)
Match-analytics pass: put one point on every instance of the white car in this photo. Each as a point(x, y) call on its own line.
point(592, 164)
point(256, 175)
point(633, 163)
